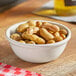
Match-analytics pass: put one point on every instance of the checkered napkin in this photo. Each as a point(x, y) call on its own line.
point(8, 70)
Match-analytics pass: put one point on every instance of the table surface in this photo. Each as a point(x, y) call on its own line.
point(65, 65)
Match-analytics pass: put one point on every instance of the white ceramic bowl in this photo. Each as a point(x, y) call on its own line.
point(37, 53)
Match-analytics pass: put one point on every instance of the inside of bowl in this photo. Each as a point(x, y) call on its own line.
point(12, 29)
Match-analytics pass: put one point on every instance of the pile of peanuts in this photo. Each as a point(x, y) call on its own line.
point(37, 32)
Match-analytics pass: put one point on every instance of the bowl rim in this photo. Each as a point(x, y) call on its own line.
point(53, 44)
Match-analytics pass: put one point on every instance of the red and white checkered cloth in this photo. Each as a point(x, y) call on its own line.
point(8, 70)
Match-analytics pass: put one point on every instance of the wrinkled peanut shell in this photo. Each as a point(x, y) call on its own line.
point(45, 34)
point(63, 31)
point(51, 41)
point(34, 38)
point(16, 37)
point(51, 27)
point(30, 42)
point(56, 34)
point(38, 24)
point(21, 41)
point(32, 23)
point(63, 36)
point(21, 28)
point(58, 38)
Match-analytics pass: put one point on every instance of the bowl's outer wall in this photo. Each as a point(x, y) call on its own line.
point(38, 54)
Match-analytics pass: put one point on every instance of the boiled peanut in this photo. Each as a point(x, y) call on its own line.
point(63, 36)
point(51, 27)
point(34, 38)
point(25, 35)
point(32, 23)
point(63, 31)
point(38, 23)
point(51, 41)
point(56, 34)
point(30, 30)
point(35, 29)
point(37, 39)
point(31, 42)
point(45, 34)
point(21, 41)
point(15, 36)
point(58, 38)
point(21, 28)
point(26, 41)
